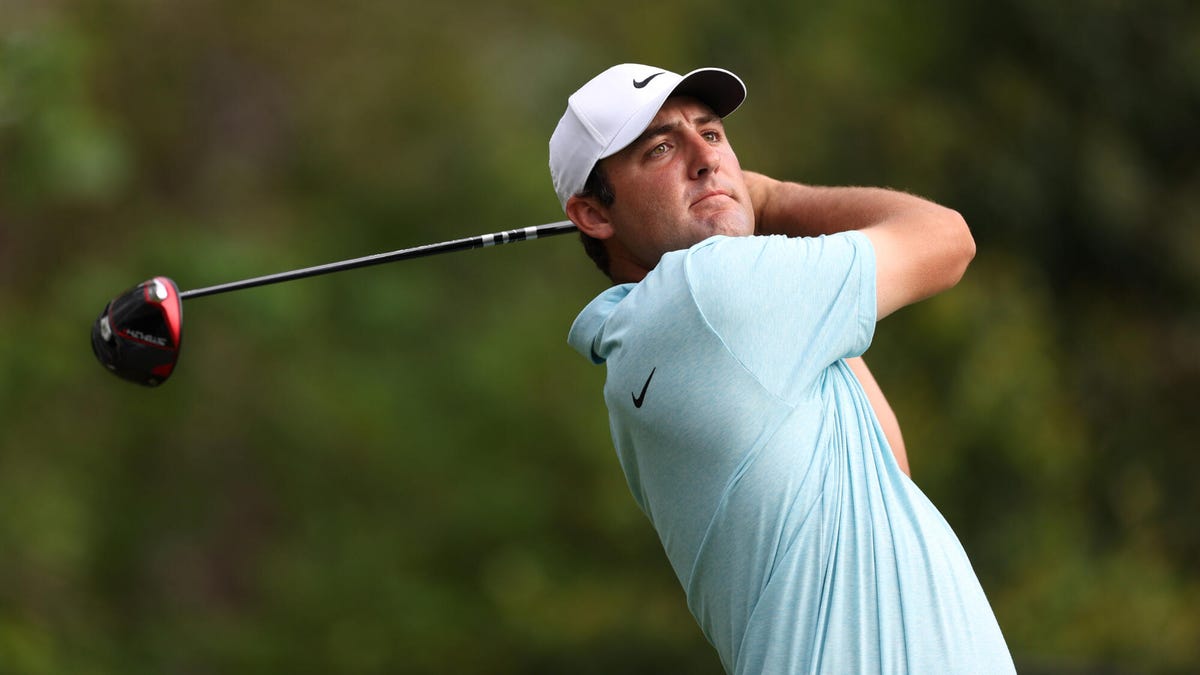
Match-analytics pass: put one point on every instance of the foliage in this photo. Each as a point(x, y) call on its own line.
point(406, 470)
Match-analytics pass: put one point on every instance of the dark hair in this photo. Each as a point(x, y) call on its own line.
point(597, 187)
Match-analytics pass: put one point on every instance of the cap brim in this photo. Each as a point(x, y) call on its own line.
point(720, 89)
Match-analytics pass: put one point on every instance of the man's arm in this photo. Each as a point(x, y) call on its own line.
point(921, 248)
point(883, 411)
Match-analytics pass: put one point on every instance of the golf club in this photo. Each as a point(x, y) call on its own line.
point(137, 336)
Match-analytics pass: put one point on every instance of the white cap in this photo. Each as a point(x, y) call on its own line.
point(615, 107)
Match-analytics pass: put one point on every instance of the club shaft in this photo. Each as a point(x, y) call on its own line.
point(494, 239)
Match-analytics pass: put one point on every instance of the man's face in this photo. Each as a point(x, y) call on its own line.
point(676, 185)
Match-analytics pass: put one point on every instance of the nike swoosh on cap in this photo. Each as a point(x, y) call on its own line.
point(639, 85)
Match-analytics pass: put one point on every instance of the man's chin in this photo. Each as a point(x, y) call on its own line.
point(730, 223)
point(723, 215)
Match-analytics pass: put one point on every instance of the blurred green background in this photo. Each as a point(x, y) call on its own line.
point(405, 469)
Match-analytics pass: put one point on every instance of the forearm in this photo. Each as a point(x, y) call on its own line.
point(798, 210)
point(883, 411)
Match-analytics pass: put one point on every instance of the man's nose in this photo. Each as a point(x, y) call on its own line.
point(704, 157)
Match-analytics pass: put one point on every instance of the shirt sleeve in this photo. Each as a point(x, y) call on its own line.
point(787, 308)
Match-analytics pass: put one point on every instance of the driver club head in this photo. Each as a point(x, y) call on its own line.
point(137, 335)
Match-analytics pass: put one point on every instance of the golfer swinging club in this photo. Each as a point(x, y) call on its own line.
point(749, 429)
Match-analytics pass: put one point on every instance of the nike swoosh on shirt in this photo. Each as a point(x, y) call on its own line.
point(639, 85)
point(640, 398)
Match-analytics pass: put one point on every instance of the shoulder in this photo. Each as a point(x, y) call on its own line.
point(767, 254)
point(588, 327)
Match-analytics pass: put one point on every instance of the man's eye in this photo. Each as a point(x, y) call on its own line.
point(712, 136)
point(658, 150)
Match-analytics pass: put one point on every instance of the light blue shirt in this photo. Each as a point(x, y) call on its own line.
point(753, 450)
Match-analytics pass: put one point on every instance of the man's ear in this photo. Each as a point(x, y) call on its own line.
point(590, 216)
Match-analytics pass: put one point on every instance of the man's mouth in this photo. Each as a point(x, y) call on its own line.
point(710, 194)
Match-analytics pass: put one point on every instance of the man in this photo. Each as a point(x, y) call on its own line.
point(750, 431)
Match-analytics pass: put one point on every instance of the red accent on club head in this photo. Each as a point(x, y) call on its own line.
point(172, 308)
point(163, 371)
